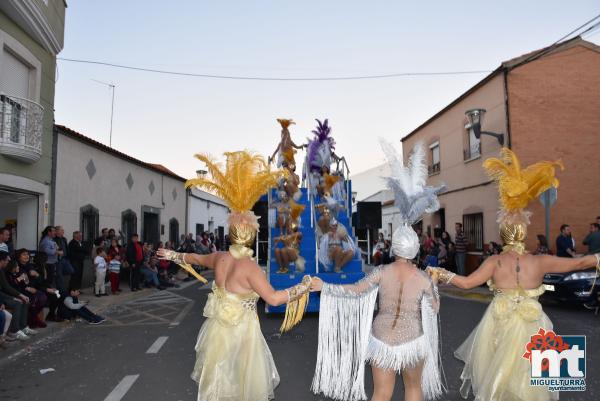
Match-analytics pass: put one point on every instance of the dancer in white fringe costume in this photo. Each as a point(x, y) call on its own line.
point(403, 338)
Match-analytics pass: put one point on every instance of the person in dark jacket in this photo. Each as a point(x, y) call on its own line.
point(135, 259)
point(77, 254)
point(16, 302)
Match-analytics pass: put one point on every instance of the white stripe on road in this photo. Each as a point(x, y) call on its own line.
point(122, 388)
point(181, 315)
point(154, 348)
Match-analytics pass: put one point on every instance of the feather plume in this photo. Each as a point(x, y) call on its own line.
point(412, 196)
point(285, 123)
point(295, 209)
point(517, 186)
point(244, 180)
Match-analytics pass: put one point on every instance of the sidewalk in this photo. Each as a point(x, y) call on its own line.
point(98, 305)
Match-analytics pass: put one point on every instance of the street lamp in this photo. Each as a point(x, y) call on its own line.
point(475, 117)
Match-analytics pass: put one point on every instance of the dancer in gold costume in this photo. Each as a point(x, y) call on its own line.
point(233, 361)
point(495, 369)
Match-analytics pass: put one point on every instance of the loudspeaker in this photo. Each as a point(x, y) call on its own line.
point(261, 209)
point(368, 215)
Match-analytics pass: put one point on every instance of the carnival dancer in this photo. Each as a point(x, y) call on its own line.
point(233, 361)
point(495, 367)
point(320, 153)
point(336, 248)
point(403, 338)
point(286, 147)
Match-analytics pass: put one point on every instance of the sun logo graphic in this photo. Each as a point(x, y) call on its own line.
point(557, 362)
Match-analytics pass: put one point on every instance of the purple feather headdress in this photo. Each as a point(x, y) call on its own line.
point(321, 135)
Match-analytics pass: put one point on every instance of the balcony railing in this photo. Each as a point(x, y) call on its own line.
point(433, 169)
point(21, 123)
point(472, 152)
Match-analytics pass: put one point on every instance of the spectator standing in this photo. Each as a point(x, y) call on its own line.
point(49, 247)
point(446, 239)
point(63, 265)
point(460, 248)
point(4, 237)
point(114, 269)
point(592, 240)
point(77, 254)
point(542, 246)
point(565, 246)
point(100, 268)
point(17, 302)
point(103, 240)
point(135, 258)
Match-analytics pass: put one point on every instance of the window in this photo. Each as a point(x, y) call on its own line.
point(390, 232)
point(199, 229)
point(128, 225)
point(434, 156)
point(14, 76)
point(89, 221)
point(473, 228)
point(473, 149)
point(174, 231)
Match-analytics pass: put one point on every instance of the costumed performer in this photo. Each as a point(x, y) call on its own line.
point(403, 338)
point(336, 247)
point(233, 361)
point(286, 147)
point(495, 366)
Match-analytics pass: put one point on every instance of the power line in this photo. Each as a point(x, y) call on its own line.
point(548, 49)
point(256, 78)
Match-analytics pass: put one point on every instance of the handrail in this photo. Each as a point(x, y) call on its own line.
point(269, 228)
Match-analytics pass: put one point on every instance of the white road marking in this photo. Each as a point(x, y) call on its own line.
point(182, 314)
point(154, 348)
point(122, 388)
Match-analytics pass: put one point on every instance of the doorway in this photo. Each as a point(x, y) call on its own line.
point(150, 232)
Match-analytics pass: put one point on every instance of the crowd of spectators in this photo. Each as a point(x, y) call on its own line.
point(44, 285)
point(442, 250)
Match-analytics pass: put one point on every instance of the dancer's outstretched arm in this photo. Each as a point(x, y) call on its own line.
point(555, 264)
point(475, 279)
point(259, 283)
point(209, 260)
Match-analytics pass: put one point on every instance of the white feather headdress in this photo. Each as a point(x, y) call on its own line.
point(412, 196)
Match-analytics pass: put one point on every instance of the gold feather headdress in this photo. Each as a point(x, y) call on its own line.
point(244, 180)
point(516, 188)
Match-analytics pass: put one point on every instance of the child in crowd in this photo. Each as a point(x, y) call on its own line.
point(74, 308)
point(100, 268)
point(114, 268)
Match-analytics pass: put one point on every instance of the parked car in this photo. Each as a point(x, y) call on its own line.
point(572, 287)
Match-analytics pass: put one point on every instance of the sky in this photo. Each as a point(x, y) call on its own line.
point(167, 119)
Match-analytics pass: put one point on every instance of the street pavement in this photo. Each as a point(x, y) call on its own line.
point(145, 351)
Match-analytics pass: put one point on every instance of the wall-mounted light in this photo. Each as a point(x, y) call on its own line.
point(475, 117)
point(201, 173)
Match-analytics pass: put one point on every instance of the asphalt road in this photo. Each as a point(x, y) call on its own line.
point(145, 352)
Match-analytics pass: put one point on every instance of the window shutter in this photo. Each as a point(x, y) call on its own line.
point(14, 76)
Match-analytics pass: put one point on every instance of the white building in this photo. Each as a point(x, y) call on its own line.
point(369, 182)
point(206, 212)
point(96, 186)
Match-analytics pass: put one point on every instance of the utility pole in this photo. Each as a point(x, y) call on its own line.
point(112, 107)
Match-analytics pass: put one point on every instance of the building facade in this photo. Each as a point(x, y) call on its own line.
point(545, 104)
point(96, 186)
point(206, 213)
point(31, 36)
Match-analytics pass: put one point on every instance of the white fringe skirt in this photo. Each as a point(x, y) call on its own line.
point(397, 357)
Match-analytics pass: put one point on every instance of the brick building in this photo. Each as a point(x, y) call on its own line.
point(546, 105)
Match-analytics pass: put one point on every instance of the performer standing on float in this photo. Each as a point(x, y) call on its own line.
point(495, 368)
point(233, 361)
point(403, 338)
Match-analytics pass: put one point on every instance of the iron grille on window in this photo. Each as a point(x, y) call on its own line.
point(89, 224)
point(473, 151)
point(433, 169)
point(473, 228)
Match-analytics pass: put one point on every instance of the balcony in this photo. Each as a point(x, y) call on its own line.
point(433, 169)
point(21, 123)
point(472, 152)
